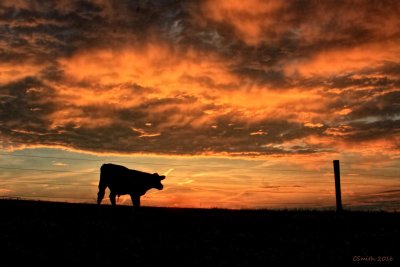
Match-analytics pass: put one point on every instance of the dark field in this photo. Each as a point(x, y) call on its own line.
point(74, 234)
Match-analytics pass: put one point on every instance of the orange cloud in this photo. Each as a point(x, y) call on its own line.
point(346, 60)
point(13, 71)
point(153, 65)
point(248, 18)
point(164, 72)
point(237, 78)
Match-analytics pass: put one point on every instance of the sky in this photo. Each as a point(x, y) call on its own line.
point(243, 104)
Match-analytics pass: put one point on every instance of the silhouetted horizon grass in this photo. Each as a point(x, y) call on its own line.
point(347, 208)
point(83, 233)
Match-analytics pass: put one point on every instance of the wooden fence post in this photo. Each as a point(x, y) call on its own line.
point(336, 169)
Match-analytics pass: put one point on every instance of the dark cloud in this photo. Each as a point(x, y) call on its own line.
point(25, 104)
point(382, 106)
point(378, 199)
point(43, 31)
point(382, 129)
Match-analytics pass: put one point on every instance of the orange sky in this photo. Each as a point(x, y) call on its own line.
point(249, 80)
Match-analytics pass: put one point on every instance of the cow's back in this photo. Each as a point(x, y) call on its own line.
point(121, 179)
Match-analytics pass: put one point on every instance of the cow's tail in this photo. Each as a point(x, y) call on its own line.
point(102, 185)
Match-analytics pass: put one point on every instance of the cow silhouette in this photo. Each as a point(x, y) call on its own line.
point(123, 181)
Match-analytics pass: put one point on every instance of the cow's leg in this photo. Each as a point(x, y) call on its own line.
point(135, 200)
point(102, 187)
point(100, 197)
point(112, 197)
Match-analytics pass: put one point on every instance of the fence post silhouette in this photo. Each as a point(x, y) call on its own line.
point(336, 169)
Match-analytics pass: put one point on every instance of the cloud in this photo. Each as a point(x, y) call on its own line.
point(247, 19)
point(244, 78)
point(377, 199)
point(59, 164)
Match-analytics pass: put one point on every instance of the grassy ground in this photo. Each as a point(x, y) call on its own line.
point(61, 233)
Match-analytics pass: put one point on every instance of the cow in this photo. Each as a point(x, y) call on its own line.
point(123, 181)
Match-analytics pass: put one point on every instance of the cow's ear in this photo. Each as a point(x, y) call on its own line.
point(162, 177)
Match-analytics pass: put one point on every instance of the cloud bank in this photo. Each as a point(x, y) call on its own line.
point(247, 78)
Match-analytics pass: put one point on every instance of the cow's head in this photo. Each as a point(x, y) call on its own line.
point(157, 181)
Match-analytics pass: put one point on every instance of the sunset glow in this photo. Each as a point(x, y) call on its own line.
point(244, 103)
